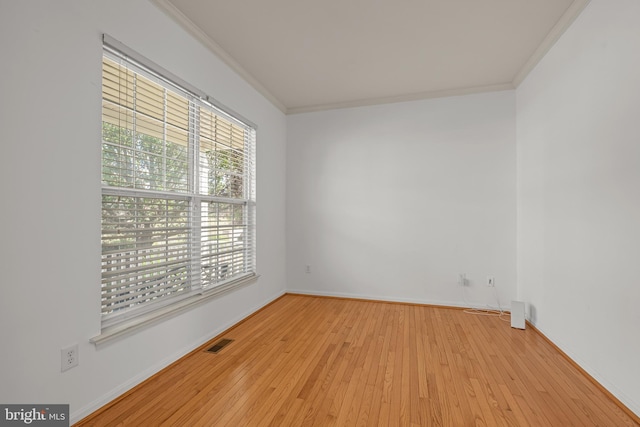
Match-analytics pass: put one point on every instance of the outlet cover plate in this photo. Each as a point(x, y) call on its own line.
point(69, 357)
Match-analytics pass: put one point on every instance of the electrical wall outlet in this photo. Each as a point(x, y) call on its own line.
point(307, 269)
point(462, 279)
point(69, 357)
point(491, 281)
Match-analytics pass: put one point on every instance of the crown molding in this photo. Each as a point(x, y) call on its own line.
point(565, 21)
point(402, 98)
point(195, 31)
point(568, 17)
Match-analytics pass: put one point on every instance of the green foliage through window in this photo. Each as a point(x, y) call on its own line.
point(177, 192)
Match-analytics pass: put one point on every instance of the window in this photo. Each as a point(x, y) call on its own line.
point(178, 191)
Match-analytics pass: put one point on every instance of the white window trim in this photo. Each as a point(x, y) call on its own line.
point(136, 57)
point(137, 323)
point(197, 296)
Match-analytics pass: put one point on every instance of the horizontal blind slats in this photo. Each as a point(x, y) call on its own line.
point(160, 237)
point(115, 272)
point(135, 297)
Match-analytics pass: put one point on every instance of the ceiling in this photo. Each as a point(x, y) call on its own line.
point(312, 55)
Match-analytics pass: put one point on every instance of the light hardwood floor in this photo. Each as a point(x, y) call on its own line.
point(318, 361)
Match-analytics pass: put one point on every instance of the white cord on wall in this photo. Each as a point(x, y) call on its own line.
point(500, 313)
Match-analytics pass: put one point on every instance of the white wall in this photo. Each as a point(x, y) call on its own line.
point(393, 201)
point(50, 185)
point(389, 202)
point(578, 127)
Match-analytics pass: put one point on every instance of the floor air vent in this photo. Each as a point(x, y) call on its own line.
point(220, 345)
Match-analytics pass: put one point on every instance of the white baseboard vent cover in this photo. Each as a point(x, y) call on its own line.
point(517, 315)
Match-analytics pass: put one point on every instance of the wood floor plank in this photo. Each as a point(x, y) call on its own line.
point(314, 361)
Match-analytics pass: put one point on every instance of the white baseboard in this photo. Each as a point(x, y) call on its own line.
point(456, 304)
point(378, 298)
point(128, 385)
point(633, 406)
point(113, 394)
point(622, 397)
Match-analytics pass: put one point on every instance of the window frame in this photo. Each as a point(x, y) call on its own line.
point(114, 324)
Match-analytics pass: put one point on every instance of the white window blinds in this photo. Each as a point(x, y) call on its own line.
point(178, 191)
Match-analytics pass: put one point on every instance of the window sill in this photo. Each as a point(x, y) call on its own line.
point(132, 325)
